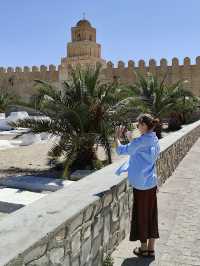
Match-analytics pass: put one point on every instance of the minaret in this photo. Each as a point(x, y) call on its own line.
point(82, 49)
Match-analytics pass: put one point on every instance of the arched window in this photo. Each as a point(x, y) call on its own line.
point(90, 38)
point(78, 37)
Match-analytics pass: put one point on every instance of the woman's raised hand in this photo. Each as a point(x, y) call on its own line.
point(120, 131)
point(129, 135)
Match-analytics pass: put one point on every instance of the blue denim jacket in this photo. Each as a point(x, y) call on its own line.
point(141, 165)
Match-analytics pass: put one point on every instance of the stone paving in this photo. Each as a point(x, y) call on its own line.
point(179, 219)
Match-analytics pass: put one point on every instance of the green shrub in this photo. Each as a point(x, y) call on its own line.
point(108, 261)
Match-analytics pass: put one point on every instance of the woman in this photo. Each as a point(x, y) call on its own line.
point(141, 168)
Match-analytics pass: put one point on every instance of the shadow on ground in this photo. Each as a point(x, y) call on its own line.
point(52, 172)
point(137, 261)
point(7, 207)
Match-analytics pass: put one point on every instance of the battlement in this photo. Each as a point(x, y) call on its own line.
point(120, 65)
point(176, 71)
point(26, 69)
point(21, 81)
point(153, 63)
point(125, 73)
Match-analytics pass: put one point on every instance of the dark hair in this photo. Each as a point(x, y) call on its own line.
point(152, 123)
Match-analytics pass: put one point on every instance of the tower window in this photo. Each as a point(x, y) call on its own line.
point(79, 37)
point(90, 38)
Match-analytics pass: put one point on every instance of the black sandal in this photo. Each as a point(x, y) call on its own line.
point(151, 253)
point(141, 253)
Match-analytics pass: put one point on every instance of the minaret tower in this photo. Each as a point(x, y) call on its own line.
point(82, 49)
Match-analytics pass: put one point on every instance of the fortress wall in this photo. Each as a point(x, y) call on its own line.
point(20, 81)
point(185, 72)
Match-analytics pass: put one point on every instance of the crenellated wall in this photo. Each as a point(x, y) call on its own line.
point(175, 71)
point(34, 69)
point(21, 81)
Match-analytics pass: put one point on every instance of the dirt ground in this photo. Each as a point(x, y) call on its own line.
point(31, 159)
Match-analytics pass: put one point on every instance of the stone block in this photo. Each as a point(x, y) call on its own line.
point(57, 239)
point(67, 245)
point(75, 261)
point(76, 243)
point(127, 222)
point(67, 261)
point(96, 244)
point(122, 204)
point(56, 256)
point(114, 193)
point(123, 225)
point(107, 199)
point(35, 252)
point(121, 188)
point(75, 222)
point(97, 225)
point(86, 231)
point(114, 241)
point(98, 260)
point(115, 226)
point(107, 228)
point(43, 261)
point(17, 262)
point(98, 206)
point(88, 212)
point(115, 212)
point(85, 251)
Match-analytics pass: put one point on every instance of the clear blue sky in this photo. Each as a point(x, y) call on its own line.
point(35, 32)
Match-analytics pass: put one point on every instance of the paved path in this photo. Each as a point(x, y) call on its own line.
point(179, 219)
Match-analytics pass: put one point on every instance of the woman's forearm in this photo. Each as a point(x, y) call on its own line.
point(117, 142)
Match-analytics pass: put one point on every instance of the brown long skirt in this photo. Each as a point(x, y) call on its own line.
point(144, 222)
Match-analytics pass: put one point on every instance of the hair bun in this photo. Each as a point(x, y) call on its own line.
point(156, 121)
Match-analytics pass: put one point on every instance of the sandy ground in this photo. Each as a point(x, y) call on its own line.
point(30, 159)
point(24, 159)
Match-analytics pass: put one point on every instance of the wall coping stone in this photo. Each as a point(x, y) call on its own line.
point(23, 228)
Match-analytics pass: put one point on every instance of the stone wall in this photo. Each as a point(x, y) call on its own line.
point(20, 81)
point(175, 72)
point(23, 78)
point(78, 225)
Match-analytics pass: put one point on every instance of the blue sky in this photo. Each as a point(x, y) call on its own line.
point(36, 32)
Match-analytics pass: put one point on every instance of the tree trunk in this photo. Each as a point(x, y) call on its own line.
point(108, 151)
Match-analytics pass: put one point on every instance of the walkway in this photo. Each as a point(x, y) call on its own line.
point(179, 219)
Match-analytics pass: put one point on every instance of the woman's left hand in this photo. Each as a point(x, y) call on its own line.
point(119, 132)
point(129, 135)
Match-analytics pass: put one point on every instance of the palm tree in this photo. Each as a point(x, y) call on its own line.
point(82, 113)
point(184, 100)
point(155, 94)
point(163, 100)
